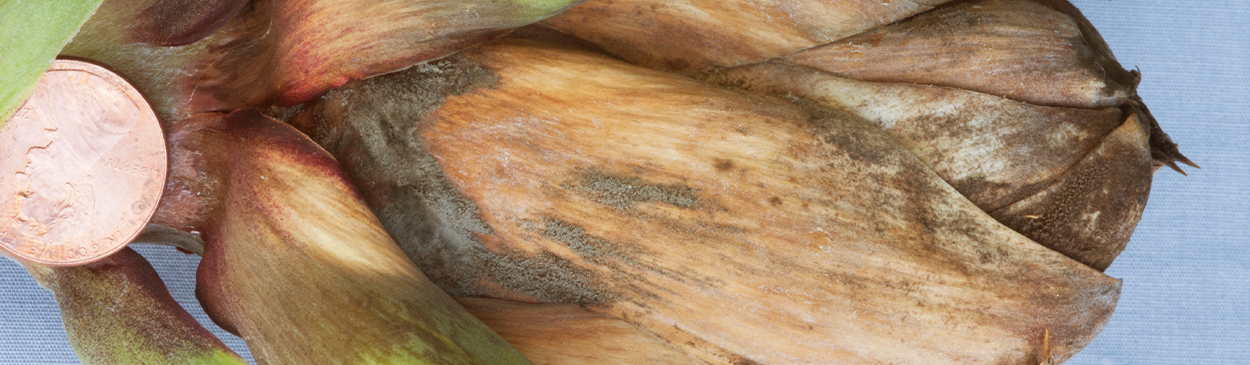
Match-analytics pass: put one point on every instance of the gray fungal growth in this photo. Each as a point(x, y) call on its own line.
point(372, 127)
point(589, 247)
point(622, 193)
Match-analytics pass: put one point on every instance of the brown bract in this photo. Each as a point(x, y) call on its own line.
point(556, 334)
point(296, 265)
point(999, 152)
point(1018, 49)
point(965, 89)
point(739, 228)
point(284, 51)
point(694, 35)
point(994, 150)
point(117, 310)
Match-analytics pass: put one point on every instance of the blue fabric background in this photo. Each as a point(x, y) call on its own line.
point(1186, 294)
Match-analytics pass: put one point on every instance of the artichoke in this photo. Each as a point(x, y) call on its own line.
point(615, 181)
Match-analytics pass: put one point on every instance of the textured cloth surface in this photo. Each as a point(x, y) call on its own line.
point(1186, 272)
point(30, 321)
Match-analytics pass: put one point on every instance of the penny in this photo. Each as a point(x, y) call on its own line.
point(82, 166)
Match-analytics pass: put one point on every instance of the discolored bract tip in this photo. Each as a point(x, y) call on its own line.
point(1163, 152)
point(173, 23)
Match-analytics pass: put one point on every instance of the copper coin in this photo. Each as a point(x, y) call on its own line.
point(82, 166)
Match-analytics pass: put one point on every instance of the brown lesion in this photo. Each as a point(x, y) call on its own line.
point(1090, 212)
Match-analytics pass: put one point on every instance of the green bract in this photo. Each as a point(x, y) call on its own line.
point(32, 32)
